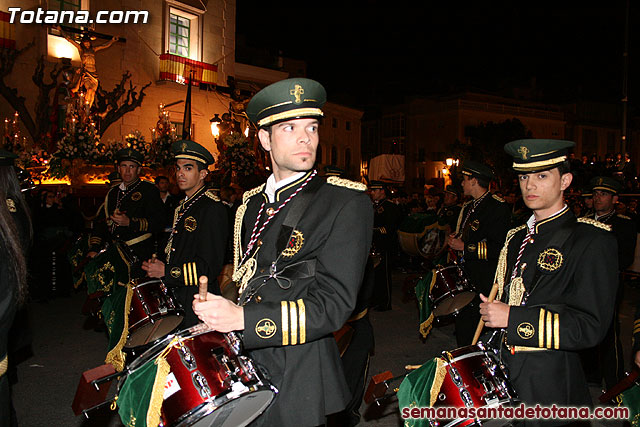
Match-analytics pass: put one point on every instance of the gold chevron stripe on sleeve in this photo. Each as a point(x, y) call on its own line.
point(556, 331)
point(186, 274)
point(302, 321)
point(285, 322)
point(541, 328)
point(293, 314)
point(195, 273)
point(549, 331)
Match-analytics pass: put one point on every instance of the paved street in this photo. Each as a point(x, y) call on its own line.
point(63, 350)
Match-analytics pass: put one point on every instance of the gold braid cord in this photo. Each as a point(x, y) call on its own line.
point(346, 183)
point(243, 273)
point(595, 223)
point(212, 195)
point(460, 216)
point(501, 270)
point(167, 249)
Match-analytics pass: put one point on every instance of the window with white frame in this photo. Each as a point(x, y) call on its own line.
point(183, 32)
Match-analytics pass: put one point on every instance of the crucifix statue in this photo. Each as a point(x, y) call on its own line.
point(87, 75)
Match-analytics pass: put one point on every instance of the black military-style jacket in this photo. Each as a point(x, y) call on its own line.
point(449, 215)
point(289, 320)
point(386, 219)
point(625, 231)
point(483, 234)
point(569, 296)
point(142, 204)
point(198, 243)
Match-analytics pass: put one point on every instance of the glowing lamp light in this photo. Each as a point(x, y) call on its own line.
point(246, 132)
point(445, 171)
point(215, 121)
point(449, 162)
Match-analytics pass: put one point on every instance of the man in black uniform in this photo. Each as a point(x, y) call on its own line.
point(450, 210)
point(386, 218)
point(300, 261)
point(198, 239)
point(133, 211)
point(607, 362)
point(482, 225)
point(556, 276)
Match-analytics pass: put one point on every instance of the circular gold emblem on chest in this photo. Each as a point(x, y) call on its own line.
point(190, 223)
point(526, 330)
point(266, 328)
point(136, 196)
point(550, 259)
point(294, 245)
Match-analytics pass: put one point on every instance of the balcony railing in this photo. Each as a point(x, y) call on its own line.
point(176, 68)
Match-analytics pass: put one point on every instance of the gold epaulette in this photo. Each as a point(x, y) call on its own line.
point(595, 223)
point(11, 205)
point(346, 183)
point(248, 194)
point(515, 230)
point(498, 198)
point(212, 195)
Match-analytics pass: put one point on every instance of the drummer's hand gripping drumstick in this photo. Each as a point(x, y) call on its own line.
point(202, 288)
point(492, 296)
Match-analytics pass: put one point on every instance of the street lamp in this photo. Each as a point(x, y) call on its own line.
point(215, 121)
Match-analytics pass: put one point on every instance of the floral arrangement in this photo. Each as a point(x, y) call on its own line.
point(236, 156)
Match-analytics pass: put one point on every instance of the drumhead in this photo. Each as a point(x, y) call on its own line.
point(153, 331)
point(451, 304)
point(237, 412)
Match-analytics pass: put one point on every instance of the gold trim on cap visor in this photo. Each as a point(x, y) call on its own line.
point(298, 112)
point(188, 157)
point(524, 167)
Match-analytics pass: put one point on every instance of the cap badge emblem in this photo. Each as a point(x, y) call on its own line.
point(524, 152)
point(184, 146)
point(297, 91)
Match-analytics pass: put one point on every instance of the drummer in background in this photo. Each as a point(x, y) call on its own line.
point(386, 218)
point(450, 210)
point(587, 200)
point(133, 211)
point(199, 234)
point(607, 361)
point(481, 227)
point(296, 290)
point(556, 282)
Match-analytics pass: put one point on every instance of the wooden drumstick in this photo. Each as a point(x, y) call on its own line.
point(492, 296)
point(203, 287)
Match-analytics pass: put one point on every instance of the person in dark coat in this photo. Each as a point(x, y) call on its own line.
point(555, 284)
point(482, 225)
point(198, 240)
point(386, 219)
point(133, 211)
point(607, 360)
point(299, 282)
point(15, 230)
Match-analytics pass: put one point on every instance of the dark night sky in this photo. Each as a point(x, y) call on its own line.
point(363, 50)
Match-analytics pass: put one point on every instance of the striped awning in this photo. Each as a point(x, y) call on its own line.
point(177, 68)
point(7, 32)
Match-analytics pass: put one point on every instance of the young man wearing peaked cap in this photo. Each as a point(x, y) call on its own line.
point(198, 239)
point(555, 281)
point(299, 260)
